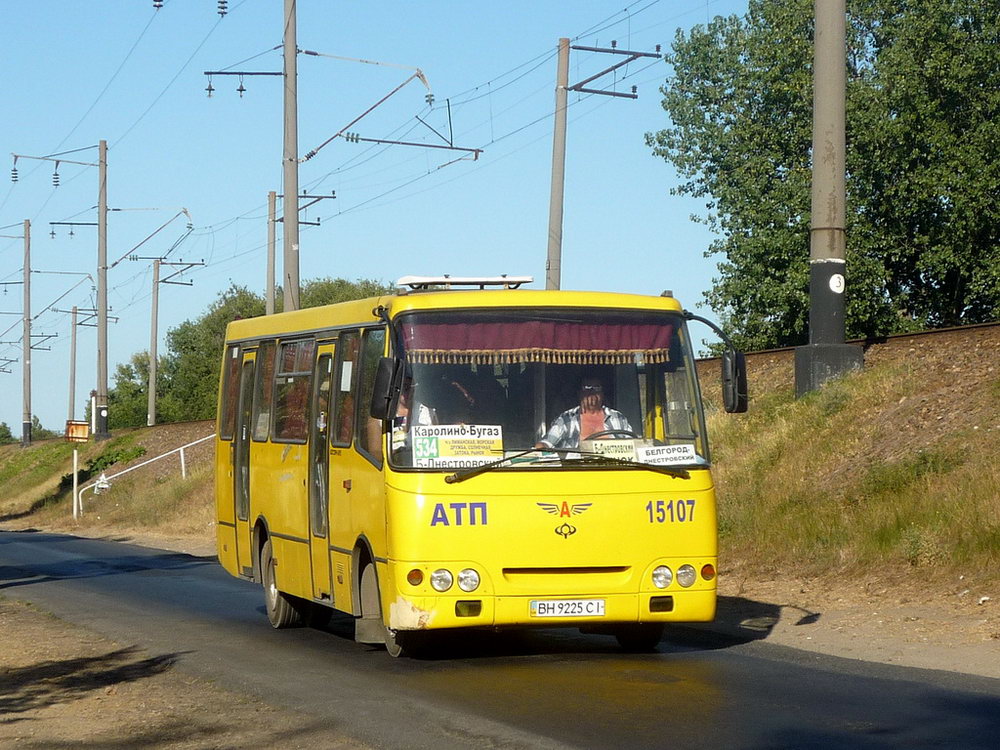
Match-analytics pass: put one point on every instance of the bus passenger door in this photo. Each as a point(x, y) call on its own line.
point(241, 465)
point(319, 473)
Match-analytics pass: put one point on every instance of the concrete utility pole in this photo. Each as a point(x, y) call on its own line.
point(827, 356)
point(271, 221)
point(553, 261)
point(26, 345)
point(101, 402)
point(151, 388)
point(180, 266)
point(553, 272)
point(72, 368)
point(290, 162)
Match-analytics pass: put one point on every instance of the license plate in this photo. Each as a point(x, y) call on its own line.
point(567, 608)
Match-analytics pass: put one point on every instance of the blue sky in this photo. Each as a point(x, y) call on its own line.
point(75, 73)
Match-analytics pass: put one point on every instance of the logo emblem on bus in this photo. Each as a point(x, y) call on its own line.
point(565, 531)
point(564, 510)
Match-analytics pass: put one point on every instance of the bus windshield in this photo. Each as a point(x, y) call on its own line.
point(565, 388)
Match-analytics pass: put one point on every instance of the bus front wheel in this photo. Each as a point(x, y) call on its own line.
point(280, 611)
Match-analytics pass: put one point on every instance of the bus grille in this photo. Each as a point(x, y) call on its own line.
point(582, 579)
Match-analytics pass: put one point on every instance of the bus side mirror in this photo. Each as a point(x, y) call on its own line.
point(734, 381)
point(385, 388)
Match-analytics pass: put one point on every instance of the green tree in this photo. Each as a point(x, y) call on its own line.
point(188, 376)
point(6, 437)
point(923, 162)
point(195, 350)
point(40, 433)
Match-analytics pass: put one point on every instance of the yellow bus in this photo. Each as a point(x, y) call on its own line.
point(465, 453)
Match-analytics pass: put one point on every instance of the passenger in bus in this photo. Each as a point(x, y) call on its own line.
point(592, 416)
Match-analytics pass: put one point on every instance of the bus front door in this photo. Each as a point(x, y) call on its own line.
point(241, 466)
point(319, 473)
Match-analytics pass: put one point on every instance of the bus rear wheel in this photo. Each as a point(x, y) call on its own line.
point(639, 637)
point(281, 611)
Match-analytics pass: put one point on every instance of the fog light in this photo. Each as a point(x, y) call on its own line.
point(662, 577)
point(708, 571)
point(468, 580)
point(415, 577)
point(441, 579)
point(686, 575)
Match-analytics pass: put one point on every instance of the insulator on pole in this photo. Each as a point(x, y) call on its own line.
point(157, 4)
point(242, 89)
point(209, 88)
point(13, 174)
point(223, 7)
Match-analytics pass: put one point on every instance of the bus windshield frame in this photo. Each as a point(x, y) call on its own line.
point(546, 388)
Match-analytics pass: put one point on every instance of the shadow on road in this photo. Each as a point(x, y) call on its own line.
point(12, 576)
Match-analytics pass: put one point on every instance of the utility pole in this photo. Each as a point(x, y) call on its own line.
point(553, 262)
point(827, 355)
point(26, 344)
point(101, 403)
point(180, 266)
point(72, 368)
point(271, 220)
point(290, 162)
point(553, 273)
point(151, 388)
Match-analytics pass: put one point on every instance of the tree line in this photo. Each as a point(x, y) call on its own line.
point(923, 163)
point(187, 375)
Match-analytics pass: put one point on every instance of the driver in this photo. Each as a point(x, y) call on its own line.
point(590, 417)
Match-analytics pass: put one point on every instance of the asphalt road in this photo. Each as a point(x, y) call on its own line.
point(520, 689)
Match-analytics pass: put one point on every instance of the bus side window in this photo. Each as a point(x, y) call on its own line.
point(343, 407)
point(230, 390)
point(263, 391)
point(291, 393)
point(369, 429)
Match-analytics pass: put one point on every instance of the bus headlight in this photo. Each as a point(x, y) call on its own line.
point(468, 580)
point(686, 575)
point(441, 579)
point(662, 577)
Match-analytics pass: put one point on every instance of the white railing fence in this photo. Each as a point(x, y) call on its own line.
point(104, 482)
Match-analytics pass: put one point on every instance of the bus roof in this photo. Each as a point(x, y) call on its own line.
point(362, 311)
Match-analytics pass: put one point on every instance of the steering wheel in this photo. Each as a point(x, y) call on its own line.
point(602, 433)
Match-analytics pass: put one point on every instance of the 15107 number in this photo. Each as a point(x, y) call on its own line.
point(674, 511)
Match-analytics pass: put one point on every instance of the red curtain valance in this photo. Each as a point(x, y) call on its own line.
point(549, 341)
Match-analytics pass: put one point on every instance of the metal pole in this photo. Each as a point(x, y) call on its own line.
point(76, 471)
point(151, 389)
point(26, 344)
point(553, 263)
point(72, 368)
point(271, 221)
point(290, 208)
point(101, 405)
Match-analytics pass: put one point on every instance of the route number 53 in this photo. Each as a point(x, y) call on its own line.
point(675, 511)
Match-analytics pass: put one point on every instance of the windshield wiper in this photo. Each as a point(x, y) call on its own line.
point(584, 457)
point(587, 457)
point(464, 474)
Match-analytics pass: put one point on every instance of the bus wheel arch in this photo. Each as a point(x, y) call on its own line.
point(260, 535)
point(361, 556)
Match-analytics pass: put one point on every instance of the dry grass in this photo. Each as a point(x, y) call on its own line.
point(860, 475)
